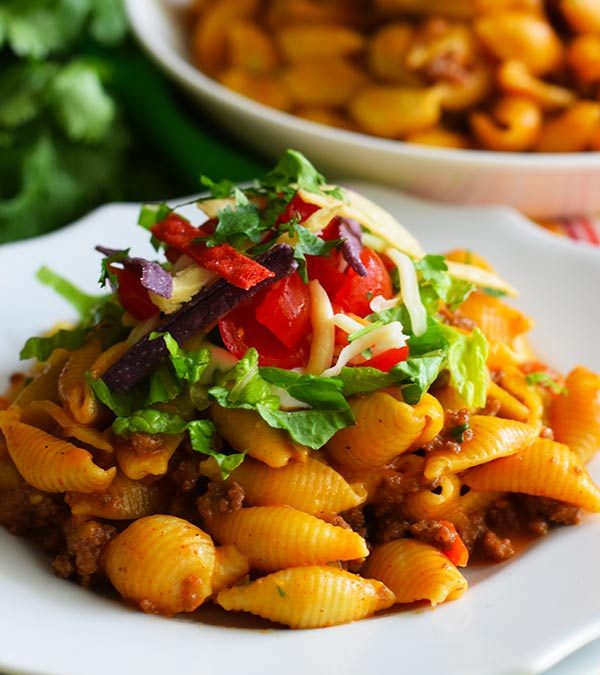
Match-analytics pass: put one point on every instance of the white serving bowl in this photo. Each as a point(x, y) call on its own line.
point(540, 185)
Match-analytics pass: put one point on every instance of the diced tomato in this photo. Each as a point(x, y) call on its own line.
point(388, 359)
point(224, 260)
point(457, 553)
point(285, 310)
point(356, 293)
point(332, 231)
point(240, 330)
point(133, 296)
point(329, 270)
point(297, 208)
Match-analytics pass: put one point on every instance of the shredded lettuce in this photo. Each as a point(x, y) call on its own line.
point(218, 189)
point(40, 348)
point(467, 357)
point(83, 303)
point(243, 386)
point(433, 273)
point(312, 428)
point(188, 366)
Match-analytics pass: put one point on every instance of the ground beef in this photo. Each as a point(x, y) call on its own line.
point(433, 532)
point(86, 543)
point(355, 520)
point(186, 473)
point(221, 497)
point(27, 512)
point(389, 527)
point(495, 548)
point(551, 510)
point(457, 319)
point(492, 407)
point(455, 432)
point(394, 486)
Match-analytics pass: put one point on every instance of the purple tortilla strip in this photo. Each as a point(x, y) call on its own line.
point(153, 277)
point(206, 307)
point(350, 234)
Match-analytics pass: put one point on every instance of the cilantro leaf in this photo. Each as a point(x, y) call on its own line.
point(237, 226)
point(150, 214)
point(546, 380)
point(80, 104)
point(307, 243)
point(293, 167)
point(220, 189)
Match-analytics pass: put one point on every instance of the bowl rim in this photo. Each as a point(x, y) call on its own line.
point(193, 78)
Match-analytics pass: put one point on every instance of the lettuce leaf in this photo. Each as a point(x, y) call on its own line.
point(312, 428)
point(40, 348)
point(467, 363)
point(243, 386)
point(188, 366)
point(419, 374)
point(323, 393)
point(201, 432)
point(83, 303)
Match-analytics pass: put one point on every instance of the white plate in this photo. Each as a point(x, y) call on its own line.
point(518, 618)
point(536, 184)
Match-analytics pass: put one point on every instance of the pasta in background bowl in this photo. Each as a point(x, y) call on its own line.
point(584, 264)
point(541, 186)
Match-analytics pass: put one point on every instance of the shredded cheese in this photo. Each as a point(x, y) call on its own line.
point(380, 304)
point(480, 277)
point(372, 217)
point(379, 340)
point(323, 329)
point(348, 324)
point(409, 288)
point(211, 207)
point(186, 283)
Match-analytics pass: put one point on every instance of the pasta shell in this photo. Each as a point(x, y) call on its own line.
point(309, 597)
point(415, 571)
point(277, 537)
point(73, 388)
point(125, 499)
point(492, 438)
point(312, 487)
point(163, 564)
point(385, 428)
point(45, 385)
point(230, 567)
point(545, 469)
point(51, 464)
point(247, 432)
point(575, 416)
point(137, 465)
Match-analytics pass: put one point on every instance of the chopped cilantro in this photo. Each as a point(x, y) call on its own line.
point(218, 189)
point(544, 379)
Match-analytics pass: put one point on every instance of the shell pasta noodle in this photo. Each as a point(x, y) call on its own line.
point(462, 74)
point(295, 411)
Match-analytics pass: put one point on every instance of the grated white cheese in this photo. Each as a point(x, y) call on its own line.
point(323, 329)
point(380, 304)
point(186, 283)
point(379, 340)
point(480, 277)
point(372, 217)
point(409, 287)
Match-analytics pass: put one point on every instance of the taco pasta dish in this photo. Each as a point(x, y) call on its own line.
point(294, 411)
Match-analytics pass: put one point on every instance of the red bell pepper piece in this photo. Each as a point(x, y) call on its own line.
point(224, 260)
point(457, 553)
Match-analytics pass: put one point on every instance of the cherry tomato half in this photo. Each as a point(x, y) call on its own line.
point(388, 359)
point(357, 292)
point(133, 296)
